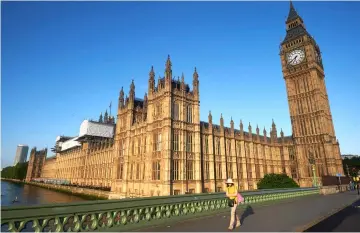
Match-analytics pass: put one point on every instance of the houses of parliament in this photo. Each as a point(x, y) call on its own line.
point(158, 145)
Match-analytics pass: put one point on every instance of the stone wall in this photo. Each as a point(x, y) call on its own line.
point(74, 190)
point(90, 193)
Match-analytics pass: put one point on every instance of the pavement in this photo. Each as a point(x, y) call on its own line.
point(289, 215)
point(346, 220)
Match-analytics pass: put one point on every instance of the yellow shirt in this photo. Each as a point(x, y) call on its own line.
point(232, 190)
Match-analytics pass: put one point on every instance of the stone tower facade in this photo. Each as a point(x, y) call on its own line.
point(312, 125)
point(156, 137)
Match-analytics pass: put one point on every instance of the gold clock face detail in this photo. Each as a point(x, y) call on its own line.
point(295, 57)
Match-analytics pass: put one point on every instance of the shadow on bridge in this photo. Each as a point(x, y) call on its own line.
point(247, 212)
point(346, 220)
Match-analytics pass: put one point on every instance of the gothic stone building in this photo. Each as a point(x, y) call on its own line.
point(159, 146)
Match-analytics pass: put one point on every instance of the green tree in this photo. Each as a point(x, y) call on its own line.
point(274, 181)
point(351, 166)
point(15, 172)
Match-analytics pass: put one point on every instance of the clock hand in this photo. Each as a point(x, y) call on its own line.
point(293, 59)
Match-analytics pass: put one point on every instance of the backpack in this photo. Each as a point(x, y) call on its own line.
point(240, 198)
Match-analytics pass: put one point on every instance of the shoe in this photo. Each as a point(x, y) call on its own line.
point(230, 228)
point(238, 224)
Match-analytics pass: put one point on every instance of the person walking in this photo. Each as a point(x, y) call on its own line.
point(232, 195)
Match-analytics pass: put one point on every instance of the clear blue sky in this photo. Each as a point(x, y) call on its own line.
point(63, 62)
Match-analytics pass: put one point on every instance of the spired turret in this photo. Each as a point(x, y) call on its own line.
point(196, 82)
point(221, 121)
point(250, 131)
point(151, 80)
point(257, 133)
point(101, 118)
point(210, 118)
point(121, 98)
point(168, 70)
point(106, 117)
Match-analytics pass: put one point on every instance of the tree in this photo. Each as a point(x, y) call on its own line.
point(351, 166)
point(274, 181)
point(15, 172)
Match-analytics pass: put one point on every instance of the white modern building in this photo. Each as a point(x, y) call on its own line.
point(21, 154)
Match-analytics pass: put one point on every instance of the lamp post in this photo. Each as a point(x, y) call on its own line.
point(313, 168)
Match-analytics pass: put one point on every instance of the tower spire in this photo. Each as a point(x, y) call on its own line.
point(292, 13)
point(168, 71)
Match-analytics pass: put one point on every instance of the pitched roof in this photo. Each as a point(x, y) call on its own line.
point(292, 13)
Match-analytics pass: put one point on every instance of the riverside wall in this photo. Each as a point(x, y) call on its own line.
point(78, 191)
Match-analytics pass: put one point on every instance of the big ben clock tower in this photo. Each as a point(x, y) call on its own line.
point(317, 149)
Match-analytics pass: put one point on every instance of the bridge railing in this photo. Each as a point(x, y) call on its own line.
point(129, 213)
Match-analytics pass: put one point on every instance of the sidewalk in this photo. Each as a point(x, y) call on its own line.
point(290, 215)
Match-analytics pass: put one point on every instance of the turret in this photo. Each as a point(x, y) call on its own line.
point(168, 70)
point(241, 129)
point(101, 118)
point(210, 118)
point(282, 136)
point(257, 133)
point(232, 125)
point(132, 91)
point(151, 80)
point(250, 131)
point(145, 107)
point(182, 85)
point(273, 133)
point(265, 136)
point(121, 98)
point(106, 117)
point(221, 122)
point(196, 82)
point(131, 95)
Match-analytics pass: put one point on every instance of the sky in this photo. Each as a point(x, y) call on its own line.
point(64, 62)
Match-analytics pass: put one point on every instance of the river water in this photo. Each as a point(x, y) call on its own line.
point(32, 195)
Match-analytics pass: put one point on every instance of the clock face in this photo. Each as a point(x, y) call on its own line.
point(295, 57)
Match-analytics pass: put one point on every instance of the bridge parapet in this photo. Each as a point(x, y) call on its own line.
point(126, 214)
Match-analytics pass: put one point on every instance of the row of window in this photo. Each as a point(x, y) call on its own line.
point(229, 149)
point(176, 112)
point(138, 171)
point(189, 142)
point(176, 170)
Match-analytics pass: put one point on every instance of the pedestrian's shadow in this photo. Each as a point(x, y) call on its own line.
point(247, 212)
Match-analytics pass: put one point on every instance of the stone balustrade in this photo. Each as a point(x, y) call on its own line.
point(127, 214)
point(326, 190)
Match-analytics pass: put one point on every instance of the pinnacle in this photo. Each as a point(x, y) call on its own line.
point(292, 13)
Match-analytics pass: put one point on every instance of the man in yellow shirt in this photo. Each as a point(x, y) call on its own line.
point(231, 193)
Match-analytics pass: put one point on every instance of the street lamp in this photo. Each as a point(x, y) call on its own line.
point(313, 167)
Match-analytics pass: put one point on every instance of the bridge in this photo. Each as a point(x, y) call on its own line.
point(266, 210)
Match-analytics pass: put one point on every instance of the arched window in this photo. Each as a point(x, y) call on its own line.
point(176, 112)
point(189, 114)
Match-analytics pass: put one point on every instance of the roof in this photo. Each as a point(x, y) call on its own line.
point(63, 138)
point(70, 144)
point(294, 33)
point(292, 13)
point(91, 128)
point(138, 102)
point(175, 84)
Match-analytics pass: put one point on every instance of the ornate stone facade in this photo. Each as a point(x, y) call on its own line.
point(161, 147)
